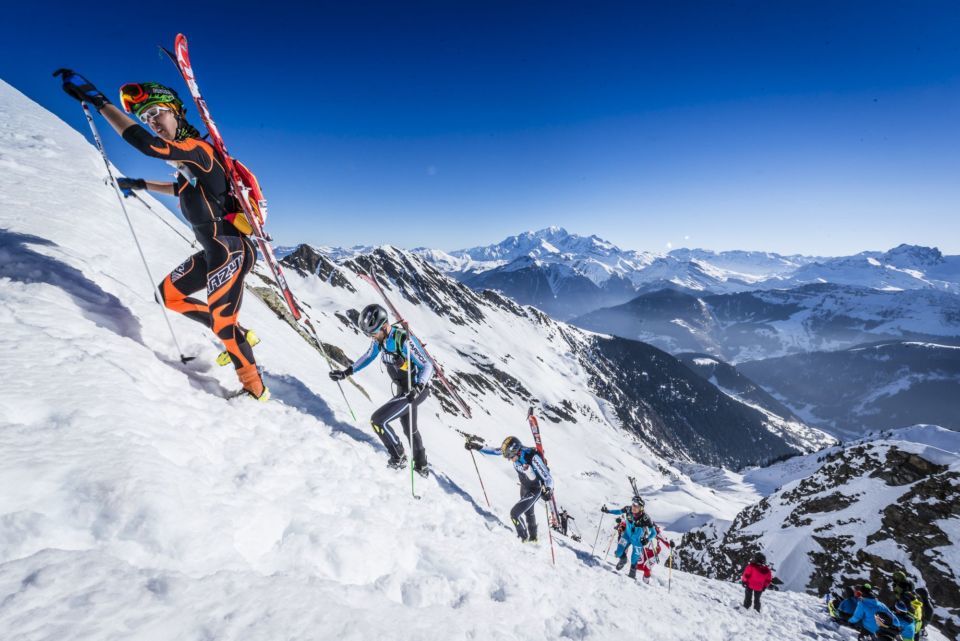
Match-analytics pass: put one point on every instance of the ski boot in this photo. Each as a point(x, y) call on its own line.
point(252, 383)
point(633, 572)
point(530, 539)
point(223, 359)
point(622, 561)
point(420, 465)
point(397, 462)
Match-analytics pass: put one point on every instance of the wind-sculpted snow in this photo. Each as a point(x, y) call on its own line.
point(137, 503)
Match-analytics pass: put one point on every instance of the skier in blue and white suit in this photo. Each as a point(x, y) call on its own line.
point(535, 481)
point(395, 347)
point(639, 531)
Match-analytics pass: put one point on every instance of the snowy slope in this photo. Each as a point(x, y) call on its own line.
point(138, 503)
point(868, 508)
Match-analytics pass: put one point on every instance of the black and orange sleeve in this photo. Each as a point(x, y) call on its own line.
point(191, 151)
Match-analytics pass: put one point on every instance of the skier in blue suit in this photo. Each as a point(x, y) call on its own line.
point(396, 348)
point(639, 531)
point(535, 481)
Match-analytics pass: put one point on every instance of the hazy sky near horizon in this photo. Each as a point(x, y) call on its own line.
point(803, 127)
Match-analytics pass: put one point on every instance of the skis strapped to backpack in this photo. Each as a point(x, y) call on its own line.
point(535, 429)
point(246, 191)
point(406, 326)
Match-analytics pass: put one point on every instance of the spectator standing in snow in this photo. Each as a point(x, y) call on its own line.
point(756, 578)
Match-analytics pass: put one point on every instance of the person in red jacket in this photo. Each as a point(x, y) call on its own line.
point(756, 578)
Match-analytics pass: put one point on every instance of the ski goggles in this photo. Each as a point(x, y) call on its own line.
point(150, 113)
point(131, 95)
point(136, 96)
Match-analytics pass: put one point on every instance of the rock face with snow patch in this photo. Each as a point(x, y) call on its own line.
point(870, 509)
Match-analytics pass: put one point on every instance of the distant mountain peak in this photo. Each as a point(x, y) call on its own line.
point(905, 255)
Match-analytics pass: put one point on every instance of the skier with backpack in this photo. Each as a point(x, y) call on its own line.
point(636, 530)
point(206, 202)
point(535, 482)
point(756, 578)
point(396, 348)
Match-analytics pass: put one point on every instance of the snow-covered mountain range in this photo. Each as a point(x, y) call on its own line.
point(568, 274)
point(868, 509)
point(766, 324)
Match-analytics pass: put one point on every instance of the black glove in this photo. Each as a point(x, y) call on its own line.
point(605, 510)
point(547, 494)
point(82, 89)
point(127, 184)
point(472, 445)
point(414, 393)
point(340, 374)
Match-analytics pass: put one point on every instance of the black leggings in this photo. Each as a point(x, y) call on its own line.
point(755, 595)
point(399, 407)
point(528, 498)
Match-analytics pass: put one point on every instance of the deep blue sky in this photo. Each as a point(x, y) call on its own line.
point(812, 127)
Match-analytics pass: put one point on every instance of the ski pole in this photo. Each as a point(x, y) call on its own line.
point(193, 243)
point(597, 537)
point(553, 555)
point(304, 321)
point(412, 419)
point(480, 478)
point(129, 192)
point(113, 181)
point(670, 568)
point(607, 553)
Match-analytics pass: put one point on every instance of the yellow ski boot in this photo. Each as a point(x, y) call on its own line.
point(252, 340)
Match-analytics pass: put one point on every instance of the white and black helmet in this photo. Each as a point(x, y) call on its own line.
point(371, 319)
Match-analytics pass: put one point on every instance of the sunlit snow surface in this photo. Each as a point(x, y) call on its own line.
point(137, 503)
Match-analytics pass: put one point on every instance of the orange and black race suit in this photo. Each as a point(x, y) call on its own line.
point(227, 256)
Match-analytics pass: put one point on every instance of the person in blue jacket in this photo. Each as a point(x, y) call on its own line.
point(535, 482)
point(639, 531)
point(842, 610)
point(396, 348)
point(866, 613)
point(908, 622)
